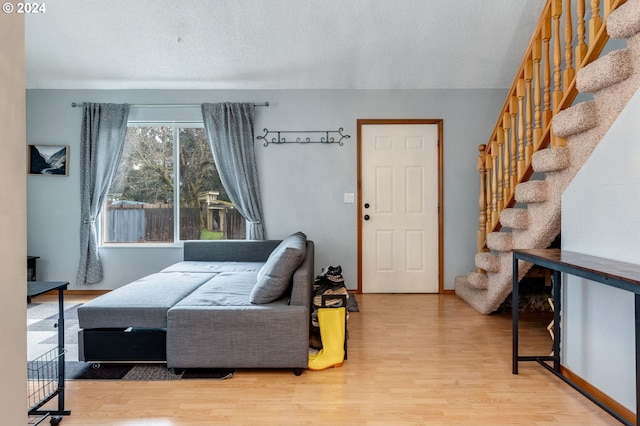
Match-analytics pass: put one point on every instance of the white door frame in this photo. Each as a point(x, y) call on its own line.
point(439, 123)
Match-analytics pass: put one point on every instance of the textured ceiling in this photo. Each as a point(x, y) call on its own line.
point(278, 44)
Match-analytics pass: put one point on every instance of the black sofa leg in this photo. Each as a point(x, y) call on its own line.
point(297, 371)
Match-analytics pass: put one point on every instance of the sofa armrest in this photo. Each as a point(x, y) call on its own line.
point(268, 336)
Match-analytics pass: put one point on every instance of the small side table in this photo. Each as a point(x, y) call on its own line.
point(31, 267)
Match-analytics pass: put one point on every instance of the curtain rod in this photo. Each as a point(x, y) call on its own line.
point(79, 104)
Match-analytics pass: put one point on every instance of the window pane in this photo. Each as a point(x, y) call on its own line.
point(139, 205)
point(205, 210)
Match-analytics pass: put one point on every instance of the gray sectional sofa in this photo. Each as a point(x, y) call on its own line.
point(228, 304)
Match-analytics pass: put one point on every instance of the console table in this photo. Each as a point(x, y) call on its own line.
point(622, 275)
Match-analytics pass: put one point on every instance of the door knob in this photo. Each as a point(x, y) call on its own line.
point(366, 217)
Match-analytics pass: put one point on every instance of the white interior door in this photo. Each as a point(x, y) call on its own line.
point(399, 196)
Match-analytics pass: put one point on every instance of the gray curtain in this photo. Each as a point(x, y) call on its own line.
point(229, 128)
point(104, 127)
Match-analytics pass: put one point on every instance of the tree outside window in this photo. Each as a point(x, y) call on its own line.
point(163, 166)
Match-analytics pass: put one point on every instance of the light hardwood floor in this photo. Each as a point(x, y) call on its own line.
point(413, 359)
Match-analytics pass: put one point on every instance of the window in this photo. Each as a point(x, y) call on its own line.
point(164, 166)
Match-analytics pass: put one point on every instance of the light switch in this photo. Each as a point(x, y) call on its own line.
point(349, 197)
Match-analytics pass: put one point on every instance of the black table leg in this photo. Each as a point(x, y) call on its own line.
point(557, 308)
point(515, 303)
point(637, 305)
point(61, 351)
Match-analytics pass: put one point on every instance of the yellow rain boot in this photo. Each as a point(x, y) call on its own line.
point(332, 333)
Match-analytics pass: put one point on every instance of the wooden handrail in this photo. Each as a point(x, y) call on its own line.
point(544, 85)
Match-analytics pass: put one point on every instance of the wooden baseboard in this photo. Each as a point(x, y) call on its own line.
point(606, 399)
point(87, 292)
point(78, 292)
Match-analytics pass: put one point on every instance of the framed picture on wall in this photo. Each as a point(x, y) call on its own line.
point(48, 160)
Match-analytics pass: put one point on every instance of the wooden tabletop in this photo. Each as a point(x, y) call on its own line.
point(605, 269)
point(36, 288)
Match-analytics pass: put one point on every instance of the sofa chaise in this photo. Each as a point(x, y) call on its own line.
point(228, 304)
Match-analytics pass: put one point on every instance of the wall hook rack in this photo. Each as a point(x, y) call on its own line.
point(303, 136)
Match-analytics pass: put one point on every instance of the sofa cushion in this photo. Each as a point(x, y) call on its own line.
point(225, 289)
point(274, 277)
point(142, 303)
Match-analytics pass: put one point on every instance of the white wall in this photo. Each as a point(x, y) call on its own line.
point(601, 217)
point(302, 185)
point(13, 263)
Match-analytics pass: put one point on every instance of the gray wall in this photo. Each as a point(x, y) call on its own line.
point(13, 333)
point(601, 217)
point(302, 185)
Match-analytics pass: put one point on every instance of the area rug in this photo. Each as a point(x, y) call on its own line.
point(42, 338)
point(42, 329)
point(78, 370)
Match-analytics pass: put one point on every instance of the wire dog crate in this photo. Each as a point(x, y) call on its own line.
point(45, 374)
point(45, 381)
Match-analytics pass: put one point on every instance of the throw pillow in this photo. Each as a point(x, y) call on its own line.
point(275, 275)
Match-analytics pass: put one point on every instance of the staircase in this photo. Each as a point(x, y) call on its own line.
point(533, 219)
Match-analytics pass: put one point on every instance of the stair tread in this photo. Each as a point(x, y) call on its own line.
point(624, 22)
point(576, 119)
point(550, 160)
point(515, 218)
point(478, 280)
point(606, 71)
point(500, 241)
point(533, 191)
point(488, 261)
